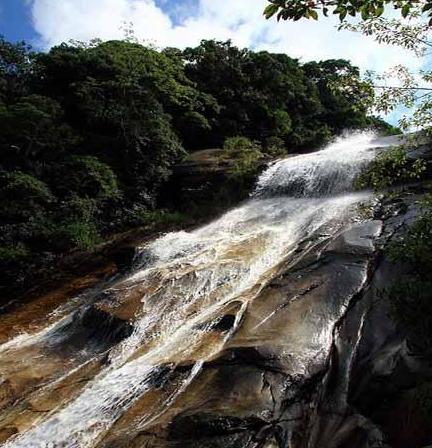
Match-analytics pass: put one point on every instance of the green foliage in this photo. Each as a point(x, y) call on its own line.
point(74, 224)
point(139, 216)
point(411, 295)
point(238, 145)
point(89, 132)
point(23, 196)
point(262, 95)
point(275, 147)
point(16, 70)
point(32, 131)
point(416, 247)
point(243, 156)
point(411, 300)
point(366, 9)
point(14, 262)
point(82, 235)
point(11, 256)
point(89, 177)
point(384, 128)
point(282, 122)
point(390, 167)
point(344, 96)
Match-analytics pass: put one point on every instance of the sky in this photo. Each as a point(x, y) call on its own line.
point(182, 23)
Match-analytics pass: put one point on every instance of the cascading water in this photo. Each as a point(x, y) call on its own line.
point(180, 290)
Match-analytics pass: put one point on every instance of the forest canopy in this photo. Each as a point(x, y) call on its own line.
point(89, 132)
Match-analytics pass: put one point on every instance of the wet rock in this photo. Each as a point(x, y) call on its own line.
point(7, 394)
point(207, 426)
point(225, 323)
point(313, 360)
point(358, 240)
point(6, 433)
point(90, 327)
point(201, 181)
point(316, 362)
point(123, 257)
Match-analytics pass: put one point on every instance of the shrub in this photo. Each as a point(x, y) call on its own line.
point(80, 234)
point(139, 216)
point(87, 176)
point(282, 122)
point(14, 262)
point(411, 296)
point(238, 145)
point(23, 196)
point(13, 255)
point(243, 156)
point(416, 246)
point(275, 147)
point(411, 301)
point(390, 167)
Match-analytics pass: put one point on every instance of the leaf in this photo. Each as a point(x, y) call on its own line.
point(342, 15)
point(313, 14)
point(405, 10)
point(364, 13)
point(270, 10)
point(379, 10)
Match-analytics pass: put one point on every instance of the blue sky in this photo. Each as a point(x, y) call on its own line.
point(15, 20)
point(181, 23)
point(16, 17)
point(185, 22)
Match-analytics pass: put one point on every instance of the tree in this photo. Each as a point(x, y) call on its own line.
point(397, 86)
point(23, 196)
point(344, 96)
point(258, 95)
point(310, 9)
point(89, 132)
point(15, 70)
point(33, 133)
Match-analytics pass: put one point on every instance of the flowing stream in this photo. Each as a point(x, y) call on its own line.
point(181, 288)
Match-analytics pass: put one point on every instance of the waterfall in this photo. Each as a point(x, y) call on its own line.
point(328, 172)
point(180, 289)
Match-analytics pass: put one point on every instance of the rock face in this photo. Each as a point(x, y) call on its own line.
point(208, 342)
point(317, 362)
point(202, 181)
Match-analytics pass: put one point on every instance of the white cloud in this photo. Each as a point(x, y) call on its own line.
point(241, 20)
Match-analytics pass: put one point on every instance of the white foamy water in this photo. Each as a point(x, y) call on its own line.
point(327, 172)
point(187, 281)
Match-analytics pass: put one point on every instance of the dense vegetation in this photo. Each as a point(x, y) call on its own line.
point(410, 295)
point(89, 133)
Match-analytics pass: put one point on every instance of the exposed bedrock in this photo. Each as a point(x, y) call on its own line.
point(317, 361)
point(267, 328)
